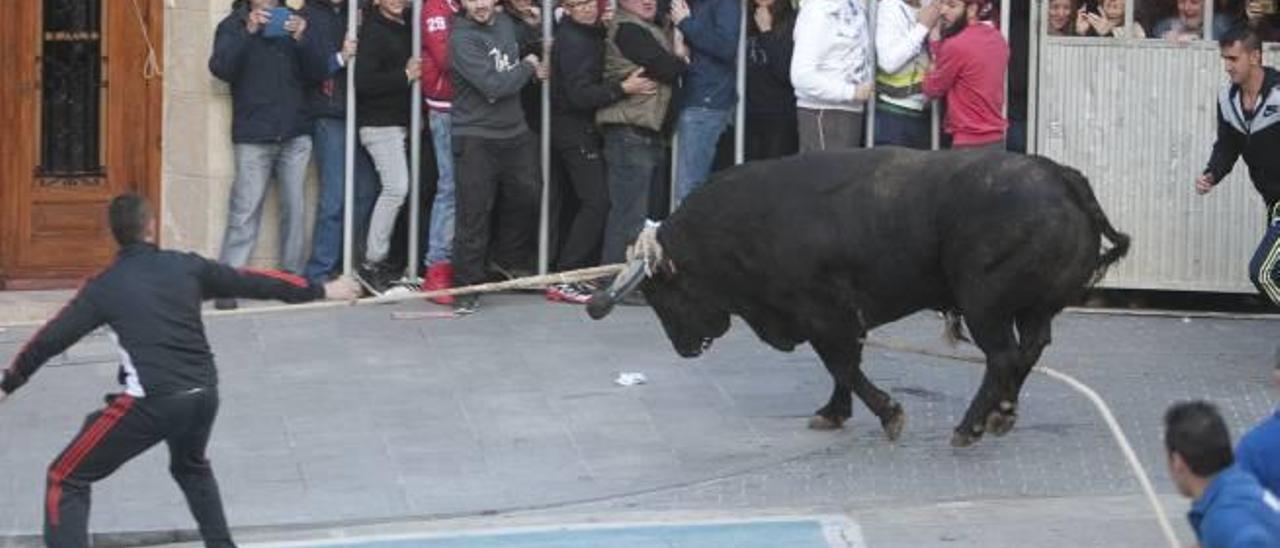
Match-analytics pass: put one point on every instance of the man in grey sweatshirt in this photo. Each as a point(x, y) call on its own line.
point(494, 152)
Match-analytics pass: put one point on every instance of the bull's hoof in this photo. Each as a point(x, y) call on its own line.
point(819, 422)
point(1001, 421)
point(894, 423)
point(965, 439)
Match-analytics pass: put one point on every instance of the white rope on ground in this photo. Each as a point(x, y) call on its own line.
point(1103, 409)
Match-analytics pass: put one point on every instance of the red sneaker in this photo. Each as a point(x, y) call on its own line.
point(439, 276)
point(568, 293)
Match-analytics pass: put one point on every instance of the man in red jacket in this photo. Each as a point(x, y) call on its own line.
point(971, 58)
point(437, 91)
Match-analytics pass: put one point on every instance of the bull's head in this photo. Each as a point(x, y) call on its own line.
point(688, 316)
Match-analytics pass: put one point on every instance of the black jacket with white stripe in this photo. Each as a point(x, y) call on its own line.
point(1255, 136)
point(151, 300)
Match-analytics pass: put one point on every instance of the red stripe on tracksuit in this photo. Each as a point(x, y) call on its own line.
point(75, 454)
point(276, 274)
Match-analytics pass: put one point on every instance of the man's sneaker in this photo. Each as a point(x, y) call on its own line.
point(466, 304)
point(225, 304)
point(374, 277)
point(439, 277)
point(568, 293)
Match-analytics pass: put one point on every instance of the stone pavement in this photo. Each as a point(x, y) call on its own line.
point(341, 417)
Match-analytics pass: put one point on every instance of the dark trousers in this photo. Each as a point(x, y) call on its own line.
point(489, 174)
point(582, 167)
point(123, 430)
point(901, 129)
point(771, 137)
point(1264, 269)
point(634, 159)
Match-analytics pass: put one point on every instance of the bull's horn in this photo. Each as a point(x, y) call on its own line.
point(603, 301)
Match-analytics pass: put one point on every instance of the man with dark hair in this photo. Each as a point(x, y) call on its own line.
point(1259, 450)
point(971, 60)
point(1229, 508)
point(169, 387)
point(493, 151)
point(1248, 112)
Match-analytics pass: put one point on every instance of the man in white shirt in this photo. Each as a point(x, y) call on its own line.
point(831, 70)
point(902, 110)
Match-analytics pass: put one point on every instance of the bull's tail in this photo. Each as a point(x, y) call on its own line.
point(1082, 194)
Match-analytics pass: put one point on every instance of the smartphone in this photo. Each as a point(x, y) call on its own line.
point(275, 27)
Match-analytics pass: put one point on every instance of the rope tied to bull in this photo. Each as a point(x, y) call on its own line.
point(646, 248)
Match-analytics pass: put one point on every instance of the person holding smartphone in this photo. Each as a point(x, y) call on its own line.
point(1106, 19)
point(270, 75)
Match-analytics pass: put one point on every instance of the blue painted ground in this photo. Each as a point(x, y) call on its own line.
point(769, 534)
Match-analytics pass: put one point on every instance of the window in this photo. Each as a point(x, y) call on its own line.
point(71, 91)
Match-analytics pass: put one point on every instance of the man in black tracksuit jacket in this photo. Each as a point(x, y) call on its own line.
point(578, 89)
point(151, 301)
point(1249, 126)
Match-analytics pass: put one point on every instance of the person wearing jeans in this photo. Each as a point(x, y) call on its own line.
point(384, 74)
point(437, 91)
point(269, 78)
point(632, 129)
point(328, 20)
point(902, 110)
point(578, 90)
point(710, 30)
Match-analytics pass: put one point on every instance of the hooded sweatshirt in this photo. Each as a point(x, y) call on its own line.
point(832, 55)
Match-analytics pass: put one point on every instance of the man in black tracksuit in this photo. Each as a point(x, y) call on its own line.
point(578, 89)
point(1249, 126)
point(151, 301)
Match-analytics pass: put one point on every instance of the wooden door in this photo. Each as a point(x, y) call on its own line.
point(79, 123)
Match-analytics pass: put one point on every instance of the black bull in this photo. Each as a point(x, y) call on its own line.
point(822, 248)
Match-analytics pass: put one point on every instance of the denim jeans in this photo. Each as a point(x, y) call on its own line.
point(906, 130)
point(633, 159)
point(386, 145)
point(440, 238)
point(699, 130)
point(255, 164)
point(329, 138)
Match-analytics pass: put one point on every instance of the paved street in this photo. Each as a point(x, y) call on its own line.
point(348, 420)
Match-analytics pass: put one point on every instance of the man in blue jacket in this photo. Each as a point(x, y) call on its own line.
point(1259, 450)
point(327, 20)
point(269, 76)
point(1230, 509)
point(709, 29)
